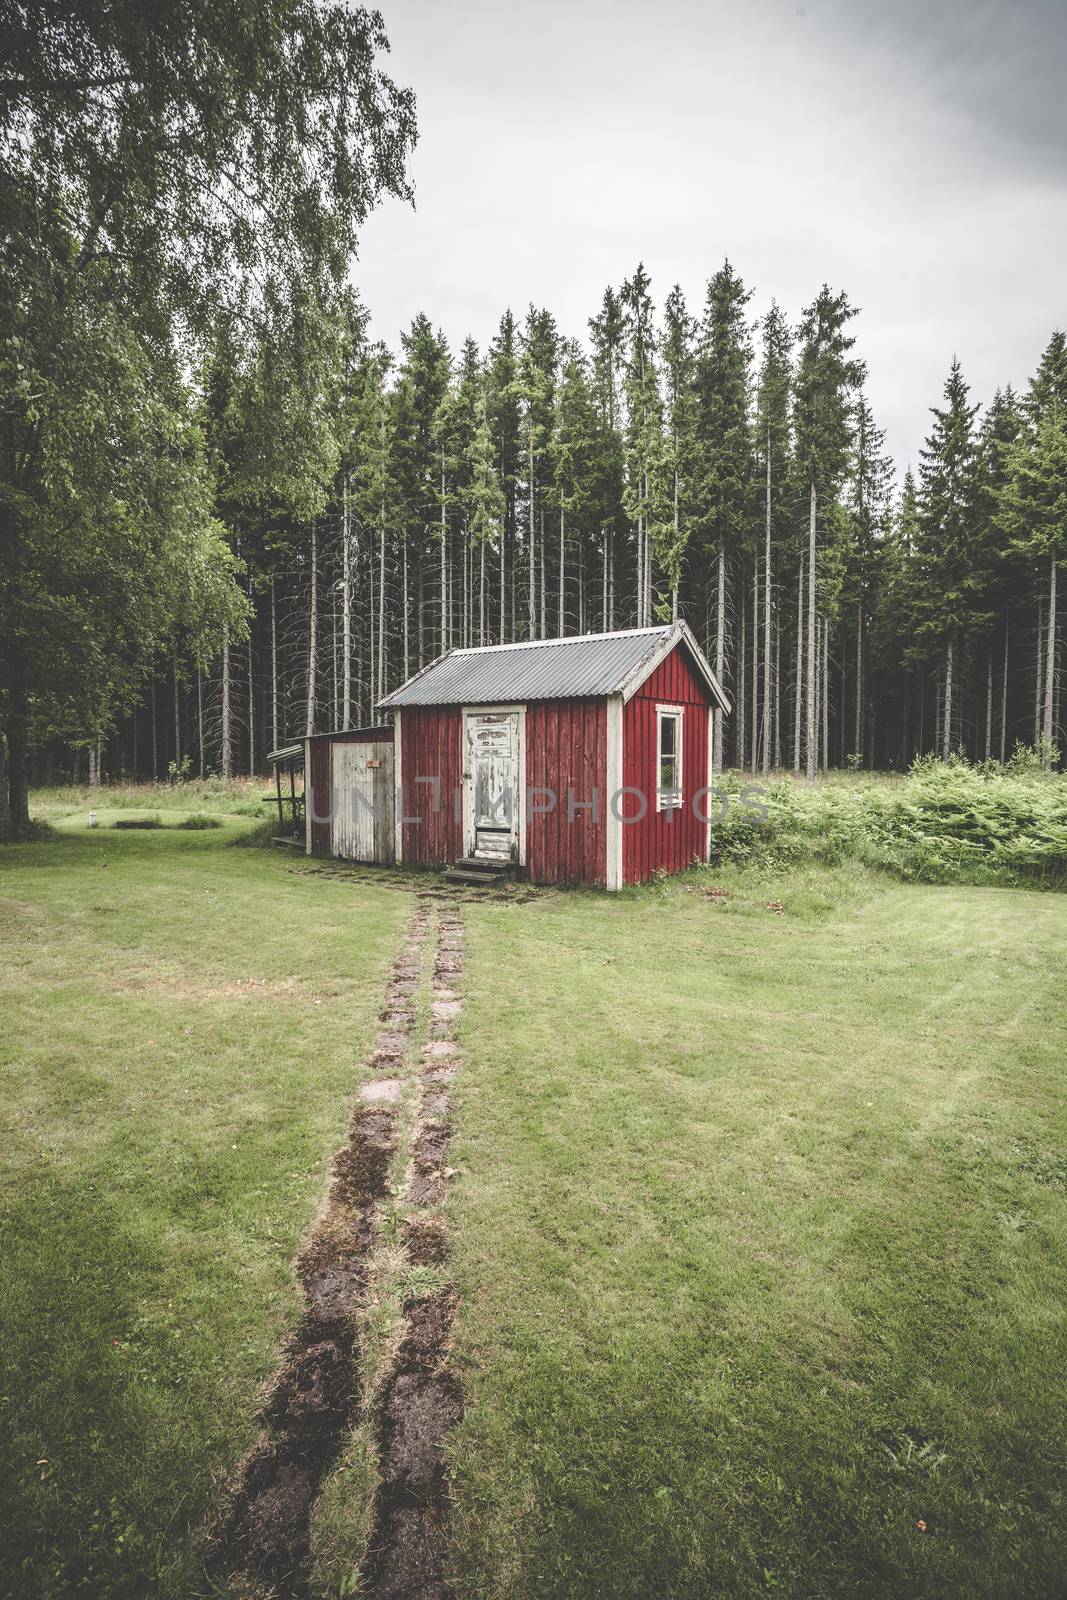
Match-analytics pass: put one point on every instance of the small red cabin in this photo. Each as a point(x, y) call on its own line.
point(581, 760)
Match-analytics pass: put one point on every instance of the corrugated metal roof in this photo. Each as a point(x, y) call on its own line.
point(543, 669)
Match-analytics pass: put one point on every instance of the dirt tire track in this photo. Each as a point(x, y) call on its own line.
point(262, 1537)
point(420, 1398)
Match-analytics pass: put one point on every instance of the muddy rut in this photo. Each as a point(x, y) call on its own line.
point(262, 1538)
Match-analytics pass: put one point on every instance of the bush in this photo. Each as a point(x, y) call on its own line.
point(138, 822)
point(198, 820)
point(947, 822)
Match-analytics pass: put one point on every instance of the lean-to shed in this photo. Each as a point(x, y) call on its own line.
point(580, 760)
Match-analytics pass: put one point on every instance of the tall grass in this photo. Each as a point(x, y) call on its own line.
point(945, 822)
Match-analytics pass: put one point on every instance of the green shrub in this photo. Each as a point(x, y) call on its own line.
point(947, 822)
point(198, 820)
point(138, 822)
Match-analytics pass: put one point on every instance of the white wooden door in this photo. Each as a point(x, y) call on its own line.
point(491, 772)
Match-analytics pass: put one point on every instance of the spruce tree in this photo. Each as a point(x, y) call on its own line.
point(724, 479)
point(773, 440)
point(826, 378)
point(953, 579)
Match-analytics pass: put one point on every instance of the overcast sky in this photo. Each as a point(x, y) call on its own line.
point(914, 154)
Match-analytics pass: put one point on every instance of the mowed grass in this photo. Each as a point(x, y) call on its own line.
point(761, 1225)
point(183, 1023)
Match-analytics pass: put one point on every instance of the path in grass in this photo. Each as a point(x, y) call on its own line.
point(761, 1244)
point(180, 1023)
point(329, 1379)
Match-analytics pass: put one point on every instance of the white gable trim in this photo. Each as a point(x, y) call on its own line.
point(680, 633)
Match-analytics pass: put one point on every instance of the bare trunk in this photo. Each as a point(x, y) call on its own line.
point(755, 665)
point(778, 694)
point(200, 717)
point(1050, 663)
point(1039, 674)
point(177, 713)
point(798, 699)
point(562, 565)
point(273, 677)
point(481, 591)
point(313, 630)
point(152, 704)
point(720, 655)
point(407, 620)
point(544, 618)
point(811, 752)
point(226, 752)
point(989, 705)
point(252, 709)
point(742, 678)
point(346, 613)
point(381, 614)
point(1004, 700)
point(530, 536)
point(857, 736)
point(767, 619)
point(946, 716)
point(825, 693)
point(604, 601)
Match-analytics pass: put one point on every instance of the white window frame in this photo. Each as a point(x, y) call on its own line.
point(670, 801)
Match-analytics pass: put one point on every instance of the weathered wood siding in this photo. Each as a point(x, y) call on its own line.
point(668, 840)
point(432, 749)
point(318, 783)
point(566, 758)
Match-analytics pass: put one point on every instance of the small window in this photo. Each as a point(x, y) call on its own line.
point(669, 767)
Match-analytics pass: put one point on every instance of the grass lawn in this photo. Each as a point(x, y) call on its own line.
point(182, 1026)
point(762, 1238)
point(759, 1219)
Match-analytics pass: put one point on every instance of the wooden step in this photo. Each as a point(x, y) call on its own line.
point(293, 844)
point(487, 864)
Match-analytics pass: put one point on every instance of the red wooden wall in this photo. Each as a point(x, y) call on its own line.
point(317, 778)
point(432, 747)
point(566, 749)
point(668, 840)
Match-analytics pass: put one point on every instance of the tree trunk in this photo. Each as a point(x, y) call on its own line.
point(152, 708)
point(798, 702)
point(1039, 673)
point(778, 694)
point(767, 620)
point(200, 718)
point(313, 631)
point(755, 665)
point(252, 707)
point(946, 716)
point(407, 620)
point(857, 737)
point(273, 671)
point(544, 618)
point(530, 535)
point(177, 714)
point(720, 656)
point(226, 752)
point(989, 705)
point(381, 615)
point(1004, 700)
point(562, 569)
point(1050, 664)
point(811, 750)
point(826, 702)
point(346, 611)
point(742, 679)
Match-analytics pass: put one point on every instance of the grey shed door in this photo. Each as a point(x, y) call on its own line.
point(492, 774)
point(362, 802)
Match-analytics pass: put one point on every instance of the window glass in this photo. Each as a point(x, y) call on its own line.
point(670, 739)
